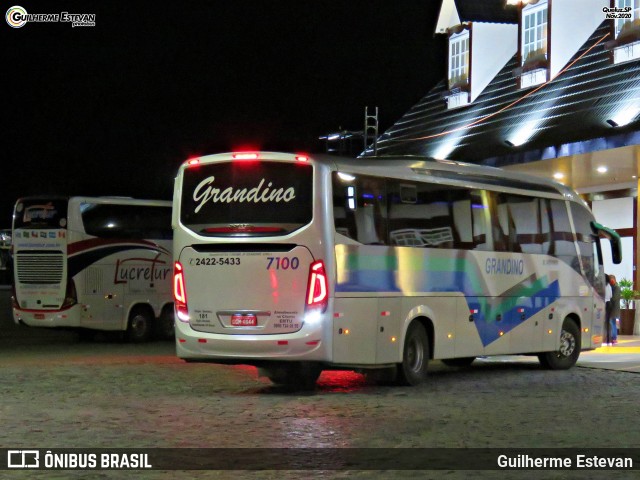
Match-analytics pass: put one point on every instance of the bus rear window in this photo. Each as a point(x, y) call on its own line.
point(40, 213)
point(247, 198)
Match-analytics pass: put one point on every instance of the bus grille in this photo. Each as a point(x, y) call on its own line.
point(39, 268)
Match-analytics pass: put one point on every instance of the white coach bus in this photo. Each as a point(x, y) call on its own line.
point(97, 263)
point(297, 264)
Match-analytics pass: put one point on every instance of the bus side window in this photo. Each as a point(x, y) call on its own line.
point(563, 247)
point(582, 219)
point(481, 220)
point(359, 209)
point(420, 215)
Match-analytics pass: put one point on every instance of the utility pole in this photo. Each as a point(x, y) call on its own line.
point(371, 130)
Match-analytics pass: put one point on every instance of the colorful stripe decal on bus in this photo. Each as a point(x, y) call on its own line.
point(376, 269)
point(87, 252)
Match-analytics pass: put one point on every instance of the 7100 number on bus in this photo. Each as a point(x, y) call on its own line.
point(283, 263)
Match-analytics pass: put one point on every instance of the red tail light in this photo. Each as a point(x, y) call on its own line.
point(70, 296)
point(245, 156)
point(180, 293)
point(14, 297)
point(317, 287)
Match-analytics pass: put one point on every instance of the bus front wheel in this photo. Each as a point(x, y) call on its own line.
point(567, 355)
point(415, 357)
point(139, 327)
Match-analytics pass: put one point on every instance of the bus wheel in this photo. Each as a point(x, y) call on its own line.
point(139, 328)
point(569, 351)
point(299, 375)
point(458, 362)
point(415, 357)
point(164, 326)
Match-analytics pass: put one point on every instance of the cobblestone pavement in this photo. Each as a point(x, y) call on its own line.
point(115, 395)
point(107, 394)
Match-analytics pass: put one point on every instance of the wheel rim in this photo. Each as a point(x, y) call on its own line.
point(415, 356)
point(138, 325)
point(567, 344)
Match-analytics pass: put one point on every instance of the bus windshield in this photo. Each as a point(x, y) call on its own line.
point(40, 213)
point(247, 198)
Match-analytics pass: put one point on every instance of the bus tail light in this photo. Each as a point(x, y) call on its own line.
point(14, 296)
point(317, 287)
point(180, 293)
point(70, 295)
point(245, 156)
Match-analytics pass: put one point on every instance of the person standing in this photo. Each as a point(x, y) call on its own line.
point(614, 311)
point(607, 309)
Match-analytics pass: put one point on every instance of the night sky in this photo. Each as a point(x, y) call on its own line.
point(114, 109)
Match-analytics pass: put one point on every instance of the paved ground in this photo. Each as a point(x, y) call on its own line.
point(58, 392)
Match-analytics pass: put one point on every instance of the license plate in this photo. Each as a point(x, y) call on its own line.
point(239, 320)
point(39, 316)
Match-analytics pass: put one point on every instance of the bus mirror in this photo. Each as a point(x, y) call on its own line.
point(614, 240)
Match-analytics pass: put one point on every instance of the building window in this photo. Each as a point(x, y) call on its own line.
point(534, 33)
point(459, 59)
point(626, 45)
point(625, 24)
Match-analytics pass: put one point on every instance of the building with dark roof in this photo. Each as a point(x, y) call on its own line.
point(550, 87)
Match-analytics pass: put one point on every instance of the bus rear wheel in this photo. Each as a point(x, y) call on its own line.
point(165, 325)
point(415, 356)
point(139, 326)
point(298, 375)
point(567, 355)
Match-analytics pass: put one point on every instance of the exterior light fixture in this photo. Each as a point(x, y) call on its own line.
point(624, 117)
point(602, 169)
point(558, 175)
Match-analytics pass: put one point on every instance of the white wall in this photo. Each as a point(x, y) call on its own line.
point(573, 22)
point(493, 46)
point(617, 213)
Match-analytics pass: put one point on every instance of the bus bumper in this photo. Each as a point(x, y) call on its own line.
point(69, 317)
point(307, 344)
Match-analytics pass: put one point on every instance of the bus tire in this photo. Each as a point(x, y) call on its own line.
point(298, 375)
point(139, 325)
point(458, 362)
point(165, 325)
point(415, 356)
point(567, 356)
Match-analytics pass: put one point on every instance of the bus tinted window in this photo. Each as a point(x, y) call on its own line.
point(40, 213)
point(360, 209)
point(126, 221)
point(582, 219)
point(247, 198)
point(421, 215)
point(377, 211)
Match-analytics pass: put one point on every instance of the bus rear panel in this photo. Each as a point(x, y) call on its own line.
point(250, 279)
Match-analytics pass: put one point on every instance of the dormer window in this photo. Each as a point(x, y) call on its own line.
point(459, 59)
point(624, 26)
point(534, 44)
point(625, 45)
point(458, 68)
point(534, 34)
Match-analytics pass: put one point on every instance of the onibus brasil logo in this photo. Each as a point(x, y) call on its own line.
point(17, 17)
